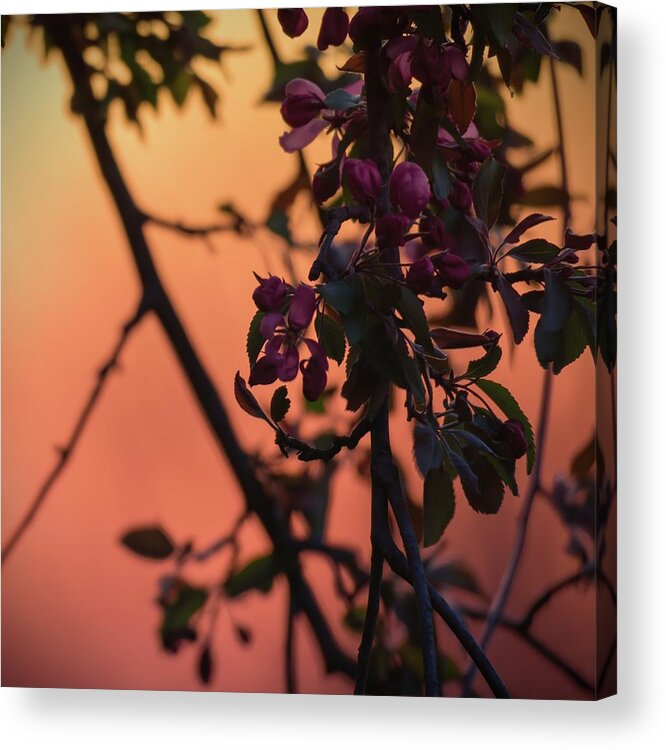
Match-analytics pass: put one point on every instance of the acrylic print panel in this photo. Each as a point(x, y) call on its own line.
point(318, 310)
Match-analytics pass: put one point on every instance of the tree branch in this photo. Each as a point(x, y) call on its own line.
point(307, 452)
point(257, 498)
point(386, 480)
point(399, 565)
point(67, 451)
point(374, 592)
point(335, 218)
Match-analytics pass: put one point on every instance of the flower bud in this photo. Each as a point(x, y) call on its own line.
point(492, 336)
point(314, 378)
point(460, 196)
point(434, 234)
point(270, 294)
point(303, 102)
point(420, 275)
point(514, 434)
point(370, 25)
point(302, 307)
point(430, 64)
point(363, 179)
point(334, 28)
point(451, 269)
point(294, 21)
point(390, 230)
point(326, 181)
point(409, 188)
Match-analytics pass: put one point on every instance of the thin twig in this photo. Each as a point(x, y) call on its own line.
point(335, 218)
point(307, 452)
point(66, 452)
point(289, 654)
point(539, 646)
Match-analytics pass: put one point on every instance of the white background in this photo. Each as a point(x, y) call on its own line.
point(635, 718)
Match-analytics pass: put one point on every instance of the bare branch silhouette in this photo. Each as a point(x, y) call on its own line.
point(66, 452)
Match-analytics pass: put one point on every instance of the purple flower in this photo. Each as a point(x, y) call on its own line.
point(370, 25)
point(283, 355)
point(420, 275)
point(435, 64)
point(334, 28)
point(409, 188)
point(514, 434)
point(270, 294)
point(303, 102)
point(302, 307)
point(391, 229)
point(363, 179)
point(326, 181)
point(451, 269)
point(314, 371)
point(460, 196)
point(270, 322)
point(294, 21)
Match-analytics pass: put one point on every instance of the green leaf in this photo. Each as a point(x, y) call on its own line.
point(412, 376)
point(535, 251)
point(543, 195)
point(254, 340)
point(278, 223)
point(500, 20)
point(557, 304)
point(205, 665)
point(246, 399)
point(519, 316)
point(354, 618)
point(337, 294)
point(149, 541)
point(428, 452)
point(508, 404)
point(331, 337)
point(209, 96)
point(454, 575)
point(487, 191)
point(280, 404)
point(257, 574)
point(441, 177)
point(425, 126)
point(341, 100)
point(479, 368)
point(411, 309)
point(178, 613)
point(438, 505)
point(564, 346)
point(468, 479)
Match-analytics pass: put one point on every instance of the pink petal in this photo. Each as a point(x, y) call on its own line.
point(287, 367)
point(301, 137)
point(303, 86)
